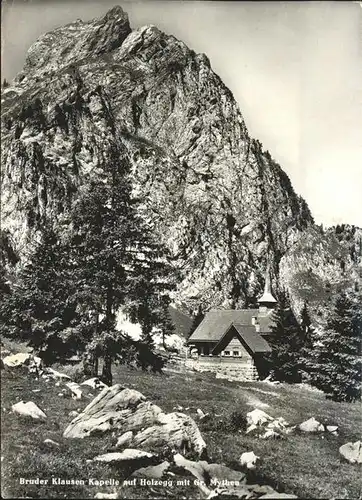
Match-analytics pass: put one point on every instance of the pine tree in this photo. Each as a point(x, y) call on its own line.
point(339, 355)
point(68, 294)
point(120, 262)
point(285, 340)
point(39, 309)
point(307, 353)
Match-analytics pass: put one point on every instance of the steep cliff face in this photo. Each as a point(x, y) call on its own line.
point(221, 203)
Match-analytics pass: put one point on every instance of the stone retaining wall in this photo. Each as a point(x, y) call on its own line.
point(230, 368)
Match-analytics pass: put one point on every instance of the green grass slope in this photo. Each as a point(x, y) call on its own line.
point(307, 465)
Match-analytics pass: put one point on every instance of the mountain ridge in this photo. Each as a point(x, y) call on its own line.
point(223, 205)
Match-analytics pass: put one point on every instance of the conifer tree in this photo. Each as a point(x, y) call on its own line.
point(307, 360)
point(339, 358)
point(41, 307)
point(285, 340)
point(120, 263)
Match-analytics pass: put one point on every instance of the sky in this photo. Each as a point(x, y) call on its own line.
point(295, 69)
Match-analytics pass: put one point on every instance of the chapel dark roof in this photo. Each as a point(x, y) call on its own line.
point(215, 323)
point(253, 340)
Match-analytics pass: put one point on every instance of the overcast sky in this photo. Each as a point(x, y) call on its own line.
point(294, 68)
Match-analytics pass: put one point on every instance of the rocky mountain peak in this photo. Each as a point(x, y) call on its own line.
point(219, 201)
point(75, 42)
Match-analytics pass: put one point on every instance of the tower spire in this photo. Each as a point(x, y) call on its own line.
point(267, 301)
point(267, 286)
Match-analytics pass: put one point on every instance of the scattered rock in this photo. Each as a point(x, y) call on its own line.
point(196, 468)
point(239, 492)
point(178, 408)
point(106, 495)
point(35, 365)
point(311, 425)
point(94, 383)
point(261, 489)
point(36, 390)
point(270, 434)
point(333, 429)
point(75, 390)
point(153, 471)
point(352, 452)
point(15, 360)
point(50, 442)
point(125, 439)
point(73, 414)
point(277, 495)
point(206, 472)
point(202, 415)
point(29, 409)
point(266, 427)
point(61, 394)
point(126, 409)
point(221, 472)
point(125, 456)
point(257, 417)
point(249, 459)
point(51, 374)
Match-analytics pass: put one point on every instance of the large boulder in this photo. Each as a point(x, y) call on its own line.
point(29, 409)
point(352, 452)
point(120, 409)
point(175, 430)
point(114, 408)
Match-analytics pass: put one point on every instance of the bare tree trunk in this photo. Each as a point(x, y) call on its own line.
point(90, 365)
point(107, 370)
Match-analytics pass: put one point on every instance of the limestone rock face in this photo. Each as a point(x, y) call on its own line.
point(220, 202)
point(144, 423)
